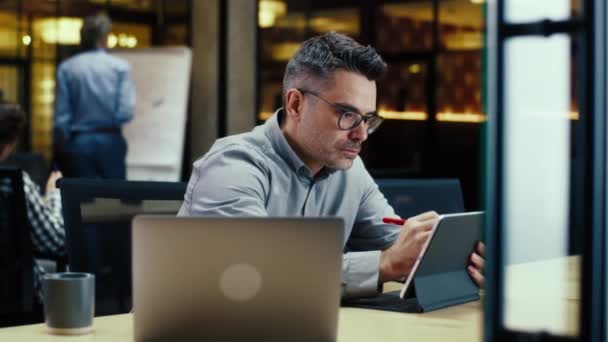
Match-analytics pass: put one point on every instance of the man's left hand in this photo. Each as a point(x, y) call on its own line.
point(477, 264)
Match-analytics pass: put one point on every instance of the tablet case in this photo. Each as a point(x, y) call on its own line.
point(441, 279)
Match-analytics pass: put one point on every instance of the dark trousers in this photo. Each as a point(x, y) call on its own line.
point(96, 155)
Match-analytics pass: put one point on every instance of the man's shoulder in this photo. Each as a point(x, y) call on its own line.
point(115, 62)
point(251, 143)
point(66, 64)
point(88, 57)
point(118, 62)
point(250, 147)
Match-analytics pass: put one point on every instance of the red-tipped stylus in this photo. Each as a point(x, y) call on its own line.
point(392, 220)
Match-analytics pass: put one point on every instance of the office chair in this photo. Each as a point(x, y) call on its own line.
point(33, 163)
point(97, 215)
point(410, 197)
point(16, 257)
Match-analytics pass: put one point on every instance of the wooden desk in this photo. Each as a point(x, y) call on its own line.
point(529, 309)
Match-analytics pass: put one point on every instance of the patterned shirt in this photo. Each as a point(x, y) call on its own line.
point(46, 220)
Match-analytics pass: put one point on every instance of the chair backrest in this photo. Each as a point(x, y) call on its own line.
point(97, 215)
point(16, 259)
point(410, 197)
point(33, 163)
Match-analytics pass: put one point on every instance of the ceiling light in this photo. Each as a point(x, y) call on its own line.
point(269, 11)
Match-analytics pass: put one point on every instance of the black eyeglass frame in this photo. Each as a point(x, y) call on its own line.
point(373, 120)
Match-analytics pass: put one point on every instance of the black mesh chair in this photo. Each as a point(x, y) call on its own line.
point(98, 215)
point(410, 197)
point(17, 304)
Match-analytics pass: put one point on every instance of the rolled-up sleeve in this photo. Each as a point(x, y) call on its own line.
point(63, 110)
point(360, 272)
point(45, 218)
point(126, 97)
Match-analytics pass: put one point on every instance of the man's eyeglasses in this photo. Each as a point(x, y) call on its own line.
point(350, 119)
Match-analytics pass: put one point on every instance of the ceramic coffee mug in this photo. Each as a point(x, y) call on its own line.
point(69, 302)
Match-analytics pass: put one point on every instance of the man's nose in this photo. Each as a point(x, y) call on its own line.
point(359, 133)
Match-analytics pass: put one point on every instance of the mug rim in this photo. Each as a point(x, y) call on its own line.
point(67, 276)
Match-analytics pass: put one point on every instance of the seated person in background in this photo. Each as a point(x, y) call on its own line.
point(304, 162)
point(43, 212)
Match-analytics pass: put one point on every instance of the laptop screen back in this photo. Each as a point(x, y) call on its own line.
point(236, 278)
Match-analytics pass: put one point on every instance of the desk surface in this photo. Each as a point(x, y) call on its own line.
point(534, 308)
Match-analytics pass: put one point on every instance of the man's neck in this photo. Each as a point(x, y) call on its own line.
point(290, 136)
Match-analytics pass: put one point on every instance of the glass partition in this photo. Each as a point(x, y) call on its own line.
point(546, 153)
point(537, 185)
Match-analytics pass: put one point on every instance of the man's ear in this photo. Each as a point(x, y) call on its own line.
point(293, 103)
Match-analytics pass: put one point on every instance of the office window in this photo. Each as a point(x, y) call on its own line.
point(402, 34)
point(403, 102)
point(404, 26)
point(15, 43)
point(43, 99)
point(129, 36)
point(176, 35)
point(283, 26)
point(461, 25)
point(134, 5)
point(176, 8)
point(10, 34)
point(46, 33)
point(458, 91)
point(9, 81)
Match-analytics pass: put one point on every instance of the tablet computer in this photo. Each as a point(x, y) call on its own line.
point(452, 239)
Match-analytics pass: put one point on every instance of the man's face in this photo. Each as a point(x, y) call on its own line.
point(321, 138)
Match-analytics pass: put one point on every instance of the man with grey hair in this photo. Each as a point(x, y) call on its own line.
point(95, 97)
point(304, 162)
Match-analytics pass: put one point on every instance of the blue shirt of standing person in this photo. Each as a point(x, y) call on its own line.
point(95, 97)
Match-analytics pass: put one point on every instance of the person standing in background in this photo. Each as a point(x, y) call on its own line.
point(95, 97)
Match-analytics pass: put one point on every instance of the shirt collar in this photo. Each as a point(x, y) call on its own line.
point(96, 50)
point(281, 146)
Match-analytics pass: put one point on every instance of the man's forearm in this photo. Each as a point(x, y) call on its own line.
point(360, 274)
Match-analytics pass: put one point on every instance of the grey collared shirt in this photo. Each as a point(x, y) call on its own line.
point(259, 174)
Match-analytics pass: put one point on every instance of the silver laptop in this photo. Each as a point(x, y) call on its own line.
point(236, 279)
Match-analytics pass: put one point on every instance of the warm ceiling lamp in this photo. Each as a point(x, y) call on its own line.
point(478, 2)
point(26, 39)
point(64, 30)
point(112, 40)
point(269, 11)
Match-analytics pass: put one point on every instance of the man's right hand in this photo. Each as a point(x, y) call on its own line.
point(399, 259)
